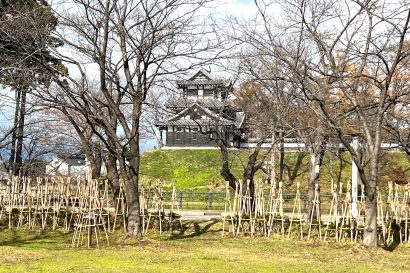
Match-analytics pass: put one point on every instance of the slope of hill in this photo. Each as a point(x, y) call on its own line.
point(198, 170)
point(189, 169)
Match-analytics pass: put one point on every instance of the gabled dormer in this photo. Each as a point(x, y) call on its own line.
point(200, 115)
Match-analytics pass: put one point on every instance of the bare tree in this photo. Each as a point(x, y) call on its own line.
point(342, 58)
point(132, 46)
point(264, 106)
point(295, 115)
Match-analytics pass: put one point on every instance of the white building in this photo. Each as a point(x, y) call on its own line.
point(73, 166)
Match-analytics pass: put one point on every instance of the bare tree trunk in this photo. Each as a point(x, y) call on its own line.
point(252, 166)
point(250, 171)
point(225, 169)
point(97, 164)
point(12, 159)
point(281, 158)
point(316, 160)
point(20, 134)
point(132, 198)
point(132, 190)
point(160, 140)
point(370, 229)
point(113, 178)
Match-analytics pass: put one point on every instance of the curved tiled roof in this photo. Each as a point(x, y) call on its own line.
point(196, 122)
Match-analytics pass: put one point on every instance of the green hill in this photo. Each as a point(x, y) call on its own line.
point(198, 170)
point(189, 169)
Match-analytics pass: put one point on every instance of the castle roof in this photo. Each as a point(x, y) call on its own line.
point(203, 77)
point(183, 103)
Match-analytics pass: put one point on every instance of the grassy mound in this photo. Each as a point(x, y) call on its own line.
point(198, 170)
point(190, 169)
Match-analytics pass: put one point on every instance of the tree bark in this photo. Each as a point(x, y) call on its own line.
point(225, 169)
point(370, 229)
point(132, 190)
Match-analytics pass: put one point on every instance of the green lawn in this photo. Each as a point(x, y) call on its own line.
point(198, 170)
point(199, 249)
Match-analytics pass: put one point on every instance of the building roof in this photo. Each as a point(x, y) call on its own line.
point(203, 77)
point(192, 122)
point(78, 160)
point(212, 115)
point(214, 118)
point(183, 103)
point(75, 162)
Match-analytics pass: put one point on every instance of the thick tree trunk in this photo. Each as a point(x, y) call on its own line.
point(134, 226)
point(97, 164)
point(250, 170)
point(94, 165)
point(370, 228)
point(132, 198)
point(225, 169)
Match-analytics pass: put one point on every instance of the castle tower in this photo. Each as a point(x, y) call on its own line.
point(202, 114)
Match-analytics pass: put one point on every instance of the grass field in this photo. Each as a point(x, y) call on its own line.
point(198, 170)
point(199, 249)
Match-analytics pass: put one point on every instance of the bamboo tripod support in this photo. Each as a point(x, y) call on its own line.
point(90, 218)
point(258, 219)
point(228, 215)
point(276, 213)
point(315, 217)
point(332, 224)
point(121, 209)
point(174, 209)
point(347, 221)
point(296, 216)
